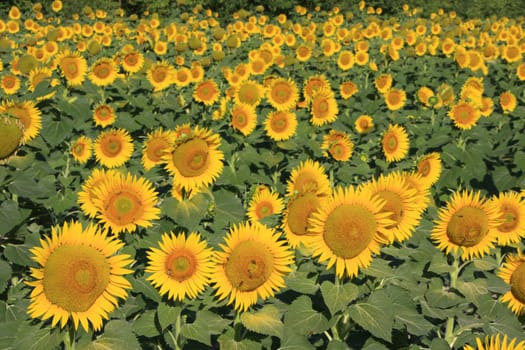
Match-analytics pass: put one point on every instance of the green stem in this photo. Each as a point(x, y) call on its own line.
point(237, 327)
point(449, 330)
point(178, 325)
point(69, 337)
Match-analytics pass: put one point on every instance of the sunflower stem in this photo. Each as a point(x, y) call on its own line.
point(69, 338)
point(450, 337)
point(237, 327)
point(176, 337)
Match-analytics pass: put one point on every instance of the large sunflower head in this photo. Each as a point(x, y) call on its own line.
point(103, 72)
point(252, 264)
point(348, 229)
point(86, 195)
point(157, 143)
point(11, 137)
point(494, 342)
point(280, 125)
point(429, 166)
point(282, 94)
point(511, 207)
point(10, 84)
point(125, 202)
point(113, 147)
point(195, 160)
point(323, 107)
point(28, 114)
point(395, 143)
point(72, 66)
point(243, 118)
point(264, 203)
point(464, 114)
point(466, 225)
point(308, 176)
point(513, 273)
point(80, 276)
point(181, 266)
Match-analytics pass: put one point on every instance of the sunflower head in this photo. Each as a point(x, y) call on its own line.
point(11, 137)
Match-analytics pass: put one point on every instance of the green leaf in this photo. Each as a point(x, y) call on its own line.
point(187, 213)
point(264, 321)
point(303, 319)
point(299, 282)
point(8, 333)
point(473, 290)
point(227, 341)
point(140, 285)
point(337, 297)
point(18, 254)
point(503, 179)
point(294, 341)
point(205, 324)
point(167, 314)
point(32, 337)
point(415, 323)
point(336, 345)
point(117, 335)
point(145, 325)
point(11, 216)
point(5, 275)
point(439, 264)
point(375, 315)
point(228, 209)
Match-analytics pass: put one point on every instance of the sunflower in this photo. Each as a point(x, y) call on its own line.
point(157, 143)
point(10, 84)
point(429, 166)
point(113, 147)
point(161, 75)
point(125, 202)
point(395, 99)
point(27, 113)
point(103, 72)
point(511, 207)
point(361, 58)
point(11, 137)
point(252, 264)
point(348, 229)
point(464, 114)
point(181, 266)
point(280, 125)
point(314, 83)
point(264, 203)
point(104, 115)
point(337, 144)
point(395, 143)
point(468, 224)
point(207, 92)
point(182, 77)
point(195, 160)
point(308, 176)
point(348, 89)
point(72, 66)
point(493, 342)
point(383, 83)
point(323, 108)
point(283, 94)
point(346, 60)
point(37, 76)
point(80, 276)
point(87, 195)
point(82, 149)
point(508, 102)
point(511, 53)
point(364, 124)
point(133, 61)
point(249, 92)
point(487, 106)
point(244, 118)
point(424, 95)
point(295, 222)
point(520, 71)
point(401, 202)
point(303, 53)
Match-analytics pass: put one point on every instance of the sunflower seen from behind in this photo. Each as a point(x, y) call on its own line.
point(250, 265)
point(11, 137)
point(181, 266)
point(113, 147)
point(466, 225)
point(194, 160)
point(80, 277)
point(28, 114)
point(348, 229)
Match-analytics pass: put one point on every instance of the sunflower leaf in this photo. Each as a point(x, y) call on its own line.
point(145, 325)
point(167, 314)
point(337, 297)
point(117, 335)
point(11, 216)
point(264, 321)
point(303, 319)
point(375, 315)
point(5, 274)
point(228, 208)
point(206, 324)
point(187, 213)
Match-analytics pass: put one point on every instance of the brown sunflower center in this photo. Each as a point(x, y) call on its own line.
point(468, 226)
point(279, 122)
point(9, 82)
point(390, 143)
point(75, 276)
point(394, 205)
point(263, 209)
point(517, 283)
point(299, 210)
point(249, 265)
point(131, 59)
point(348, 230)
point(424, 168)
point(191, 158)
point(103, 113)
point(111, 145)
point(181, 265)
point(11, 134)
point(156, 149)
point(306, 181)
point(281, 93)
point(70, 67)
point(510, 219)
point(79, 149)
point(338, 150)
point(159, 74)
point(240, 119)
point(102, 70)
point(124, 207)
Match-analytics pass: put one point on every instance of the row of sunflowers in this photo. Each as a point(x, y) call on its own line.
point(314, 180)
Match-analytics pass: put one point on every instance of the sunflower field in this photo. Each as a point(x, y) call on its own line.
point(314, 180)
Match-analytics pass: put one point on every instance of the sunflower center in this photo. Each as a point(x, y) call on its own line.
point(517, 283)
point(131, 59)
point(191, 158)
point(348, 230)
point(279, 123)
point(103, 113)
point(510, 219)
point(299, 210)
point(156, 149)
point(249, 266)
point(124, 207)
point(467, 227)
point(79, 149)
point(393, 204)
point(424, 168)
point(181, 265)
point(263, 209)
point(281, 93)
point(71, 67)
point(159, 75)
point(337, 150)
point(464, 115)
point(9, 82)
point(306, 181)
point(102, 71)
point(241, 120)
point(111, 146)
point(390, 143)
point(75, 276)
